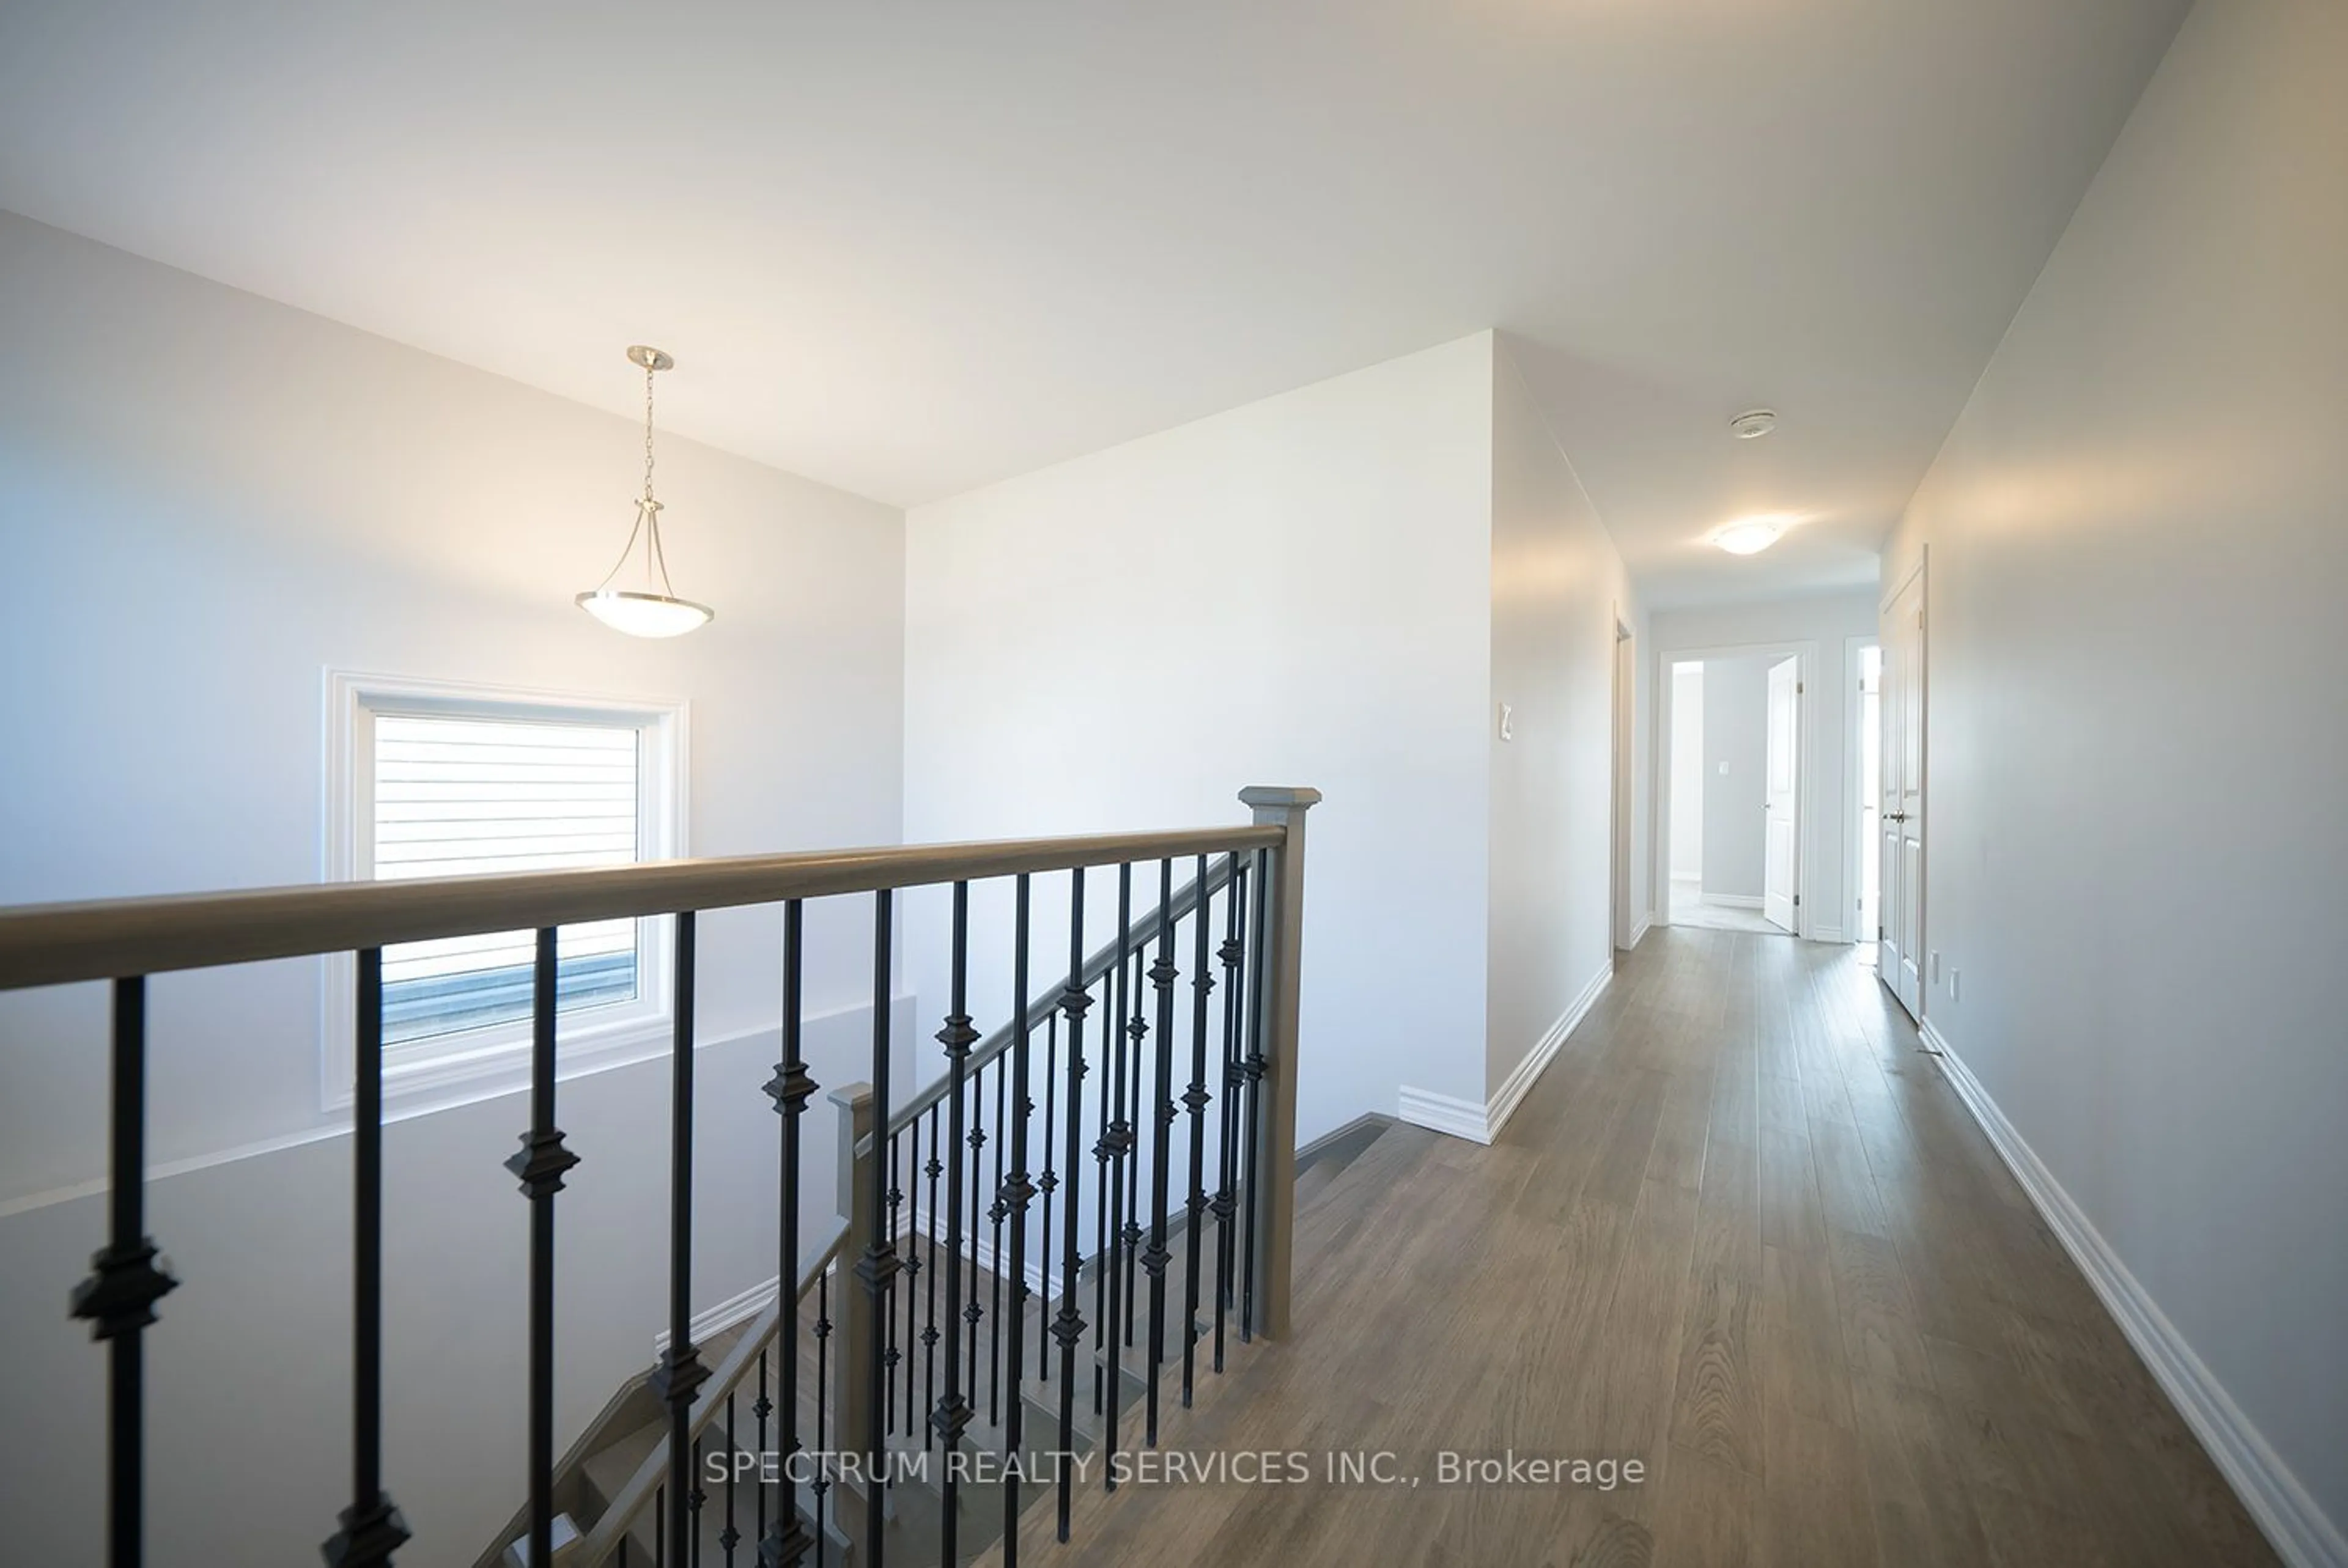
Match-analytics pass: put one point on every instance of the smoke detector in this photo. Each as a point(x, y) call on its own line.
point(1753, 425)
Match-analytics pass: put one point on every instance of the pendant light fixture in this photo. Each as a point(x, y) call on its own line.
point(654, 611)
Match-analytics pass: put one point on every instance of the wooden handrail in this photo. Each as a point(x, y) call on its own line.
point(55, 944)
point(1186, 899)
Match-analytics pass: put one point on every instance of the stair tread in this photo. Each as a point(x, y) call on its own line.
point(608, 1469)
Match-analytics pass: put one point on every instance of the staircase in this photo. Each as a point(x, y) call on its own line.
point(1051, 1250)
point(635, 1430)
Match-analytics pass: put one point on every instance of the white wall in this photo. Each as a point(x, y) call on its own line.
point(207, 500)
point(1295, 591)
point(1557, 589)
point(2139, 540)
point(1684, 767)
point(1827, 621)
point(1335, 587)
point(1735, 757)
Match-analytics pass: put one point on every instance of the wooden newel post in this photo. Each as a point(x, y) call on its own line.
point(852, 1347)
point(1278, 993)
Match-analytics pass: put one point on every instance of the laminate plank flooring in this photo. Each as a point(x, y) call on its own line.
point(1742, 1230)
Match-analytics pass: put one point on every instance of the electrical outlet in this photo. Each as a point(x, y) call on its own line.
point(1936, 965)
point(1954, 975)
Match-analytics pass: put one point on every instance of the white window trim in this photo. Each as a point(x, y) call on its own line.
point(496, 1060)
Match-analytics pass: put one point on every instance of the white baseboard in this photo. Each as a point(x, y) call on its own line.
point(2299, 1530)
point(741, 1308)
point(1638, 932)
point(1826, 933)
point(734, 1309)
point(981, 1246)
point(1731, 900)
point(1444, 1113)
point(1518, 1083)
point(1481, 1124)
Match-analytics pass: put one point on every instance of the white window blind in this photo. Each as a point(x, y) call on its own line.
point(462, 795)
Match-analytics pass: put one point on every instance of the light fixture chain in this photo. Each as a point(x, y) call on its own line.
point(648, 432)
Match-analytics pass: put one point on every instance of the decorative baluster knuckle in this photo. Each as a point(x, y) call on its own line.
point(370, 1533)
point(790, 1087)
point(542, 1163)
point(678, 1374)
point(124, 1285)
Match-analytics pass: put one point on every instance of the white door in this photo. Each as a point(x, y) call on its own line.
point(1900, 821)
point(1782, 820)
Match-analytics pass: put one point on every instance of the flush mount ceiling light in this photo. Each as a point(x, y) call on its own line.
point(1749, 535)
point(654, 609)
point(1753, 425)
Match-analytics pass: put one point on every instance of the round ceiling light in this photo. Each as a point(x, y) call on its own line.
point(1749, 535)
point(1753, 425)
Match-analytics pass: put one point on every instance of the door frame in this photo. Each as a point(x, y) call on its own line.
point(1854, 784)
point(1919, 575)
point(1628, 928)
point(1805, 764)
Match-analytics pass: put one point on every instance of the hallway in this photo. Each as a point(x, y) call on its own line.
point(1742, 1230)
point(1687, 907)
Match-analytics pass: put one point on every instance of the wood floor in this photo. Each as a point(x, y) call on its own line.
point(1743, 1231)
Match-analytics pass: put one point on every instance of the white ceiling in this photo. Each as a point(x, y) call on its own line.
point(909, 249)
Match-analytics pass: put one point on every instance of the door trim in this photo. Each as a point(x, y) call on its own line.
point(1620, 794)
point(1806, 763)
point(1854, 786)
point(1916, 577)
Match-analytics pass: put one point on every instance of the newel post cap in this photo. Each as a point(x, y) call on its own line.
point(1279, 797)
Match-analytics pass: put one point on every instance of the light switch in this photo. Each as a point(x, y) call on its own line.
point(1723, 769)
point(1508, 723)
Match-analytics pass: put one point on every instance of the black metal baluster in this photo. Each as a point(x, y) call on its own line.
point(951, 1413)
point(1047, 1183)
point(660, 1525)
point(932, 1170)
point(729, 1537)
point(822, 1484)
point(1228, 1123)
point(760, 1409)
point(694, 1501)
point(1017, 1192)
point(878, 1268)
point(1121, 1143)
point(1162, 976)
point(916, 1263)
point(118, 1297)
point(790, 1089)
point(540, 1166)
point(1068, 1326)
point(1104, 1155)
point(1254, 1069)
point(973, 1312)
point(1195, 1100)
point(995, 1213)
point(680, 1371)
point(891, 1148)
point(371, 1527)
point(1137, 1028)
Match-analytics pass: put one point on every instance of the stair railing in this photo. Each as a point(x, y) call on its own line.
point(1260, 874)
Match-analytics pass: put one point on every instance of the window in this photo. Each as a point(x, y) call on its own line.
point(438, 780)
